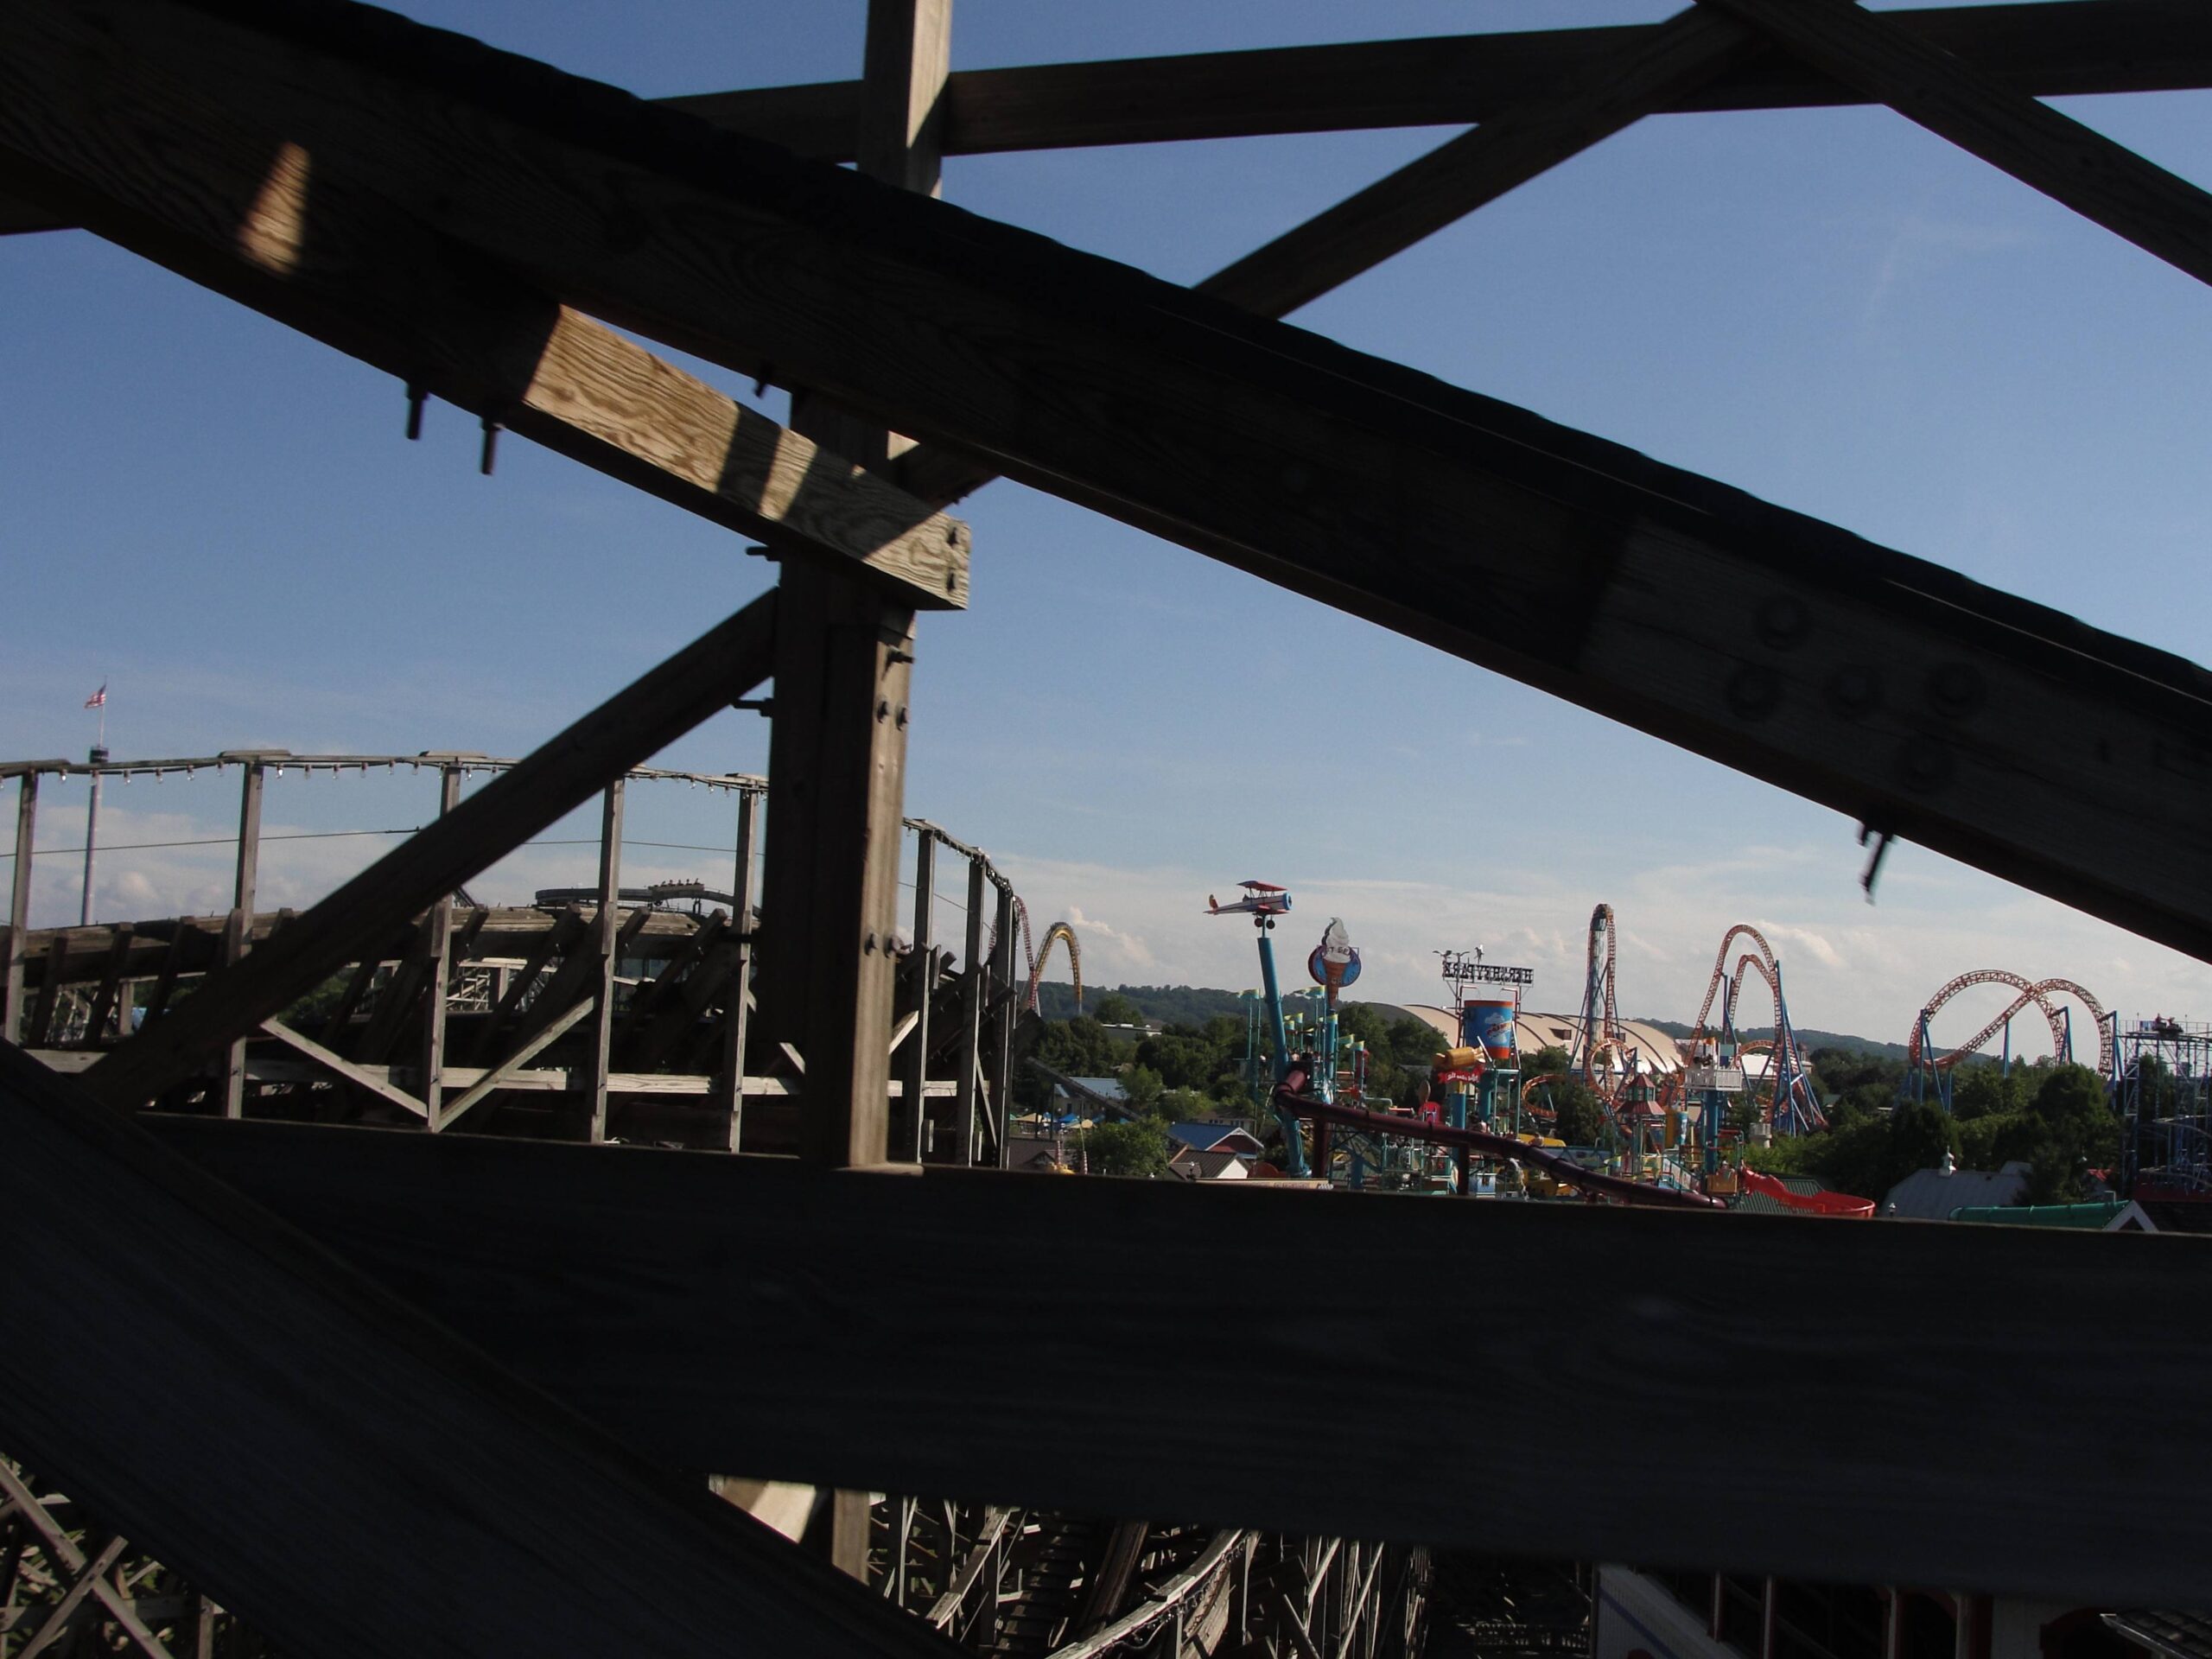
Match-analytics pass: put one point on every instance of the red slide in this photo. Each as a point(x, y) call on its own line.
point(1816, 1203)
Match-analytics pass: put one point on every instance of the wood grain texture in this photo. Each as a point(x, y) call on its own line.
point(1903, 1403)
point(2104, 181)
point(2045, 50)
point(1532, 136)
point(270, 1422)
point(1457, 519)
point(180, 184)
point(637, 721)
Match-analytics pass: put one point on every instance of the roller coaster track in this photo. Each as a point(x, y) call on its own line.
point(1066, 935)
point(2038, 993)
point(1720, 966)
point(1601, 1027)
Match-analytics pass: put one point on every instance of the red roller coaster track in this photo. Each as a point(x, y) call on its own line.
point(2037, 993)
point(1721, 968)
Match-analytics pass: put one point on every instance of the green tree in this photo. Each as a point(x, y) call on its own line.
point(1550, 1061)
point(1183, 1057)
point(1115, 1010)
point(1580, 1119)
point(1123, 1150)
point(1143, 1087)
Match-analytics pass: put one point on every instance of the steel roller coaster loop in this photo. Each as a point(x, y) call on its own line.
point(1061, 933)
point(1720, 969)
point(2037, 993)
point(1601, 1027)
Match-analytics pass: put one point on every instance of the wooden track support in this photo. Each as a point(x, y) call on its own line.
point(850, 1278)
point(723, 663)
point(362, 1443)
point(1890, 689)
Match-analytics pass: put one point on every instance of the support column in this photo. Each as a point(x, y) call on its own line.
point(1009, 1009)
point(838, 750)
point(439, 948)
point(604, 932)
point(240, 925)
point(837, 755)
point(914, 1075)
point(729, 1083)
point(19, 910)
point(977, 980)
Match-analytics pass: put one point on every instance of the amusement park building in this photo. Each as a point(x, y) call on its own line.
point(1652, 1049)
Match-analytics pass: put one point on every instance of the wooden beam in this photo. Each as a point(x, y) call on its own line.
point(849, 1277)
point(923, 960)
point(21, 218)
point(729, 1077)
point(606, 928)
point(2102, 181)
point(1528, 138)
point(1986, 728)
point(137, 1283)
point(637, 722)
point(837, 752)
point(358, 1076)
point(301, 240)
point(451, 1113)
point(2045, 50)
point(231, 1082)
point(438, 948)
point(19, 910)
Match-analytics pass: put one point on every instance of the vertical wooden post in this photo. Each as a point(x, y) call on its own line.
point(1002, 1031)
point(838, 749)
point(237, 930)
point(439, 948)
point(977, 979)
point(603, 935)
point(837, 752)
point(729, 1085)
point(915, 1075)
point(19, 910)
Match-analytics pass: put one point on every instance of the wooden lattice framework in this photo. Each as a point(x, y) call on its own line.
point(857, 1328)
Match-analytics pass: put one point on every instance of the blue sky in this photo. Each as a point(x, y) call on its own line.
point(1833, 310)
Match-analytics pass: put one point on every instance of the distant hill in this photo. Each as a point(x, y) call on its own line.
point(1811, 1038)
point(1170, 1005)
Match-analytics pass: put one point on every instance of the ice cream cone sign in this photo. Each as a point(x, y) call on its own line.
point(1334, 963)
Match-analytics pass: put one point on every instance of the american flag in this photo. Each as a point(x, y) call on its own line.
point(98, 699)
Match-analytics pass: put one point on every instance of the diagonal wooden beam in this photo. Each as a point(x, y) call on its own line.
point(2046, 48)
point(1894, 690)
point(345, 1068)
point(637, 721)
point(276, 1427)
point(376, 284)
point(1652, 69)
point(451, 1113)
point(2101, 179)
point(850, 1278)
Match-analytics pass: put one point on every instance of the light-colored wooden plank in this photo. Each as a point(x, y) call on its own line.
point(502, 1075)
point(19, 910)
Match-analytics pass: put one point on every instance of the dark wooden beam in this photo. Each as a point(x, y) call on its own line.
point(2045, 50)
point(1998, 731)
point(274, 1425)
point(1451, 181)
point(20, 218)
point(1872, 1385)
point(2103, 181)
point(637, 722)
point(307, 243)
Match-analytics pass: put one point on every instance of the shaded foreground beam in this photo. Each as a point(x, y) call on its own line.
point(873, 1329)
point(231, 205)
point(2046, 50)
point(276, 1427)
point(639, 721)
point(2001, 732)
